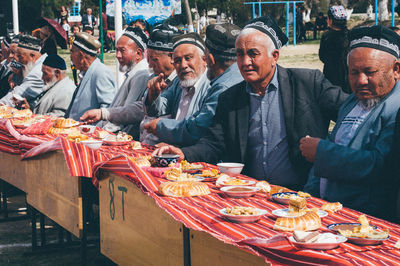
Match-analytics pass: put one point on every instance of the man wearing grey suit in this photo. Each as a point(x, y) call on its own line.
point(125, 112)
point(28, 54)
point(97, 87)
point(57, 91)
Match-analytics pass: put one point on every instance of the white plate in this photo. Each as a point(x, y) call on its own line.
point(320, 246)
point(284, 213)
point(243, 218)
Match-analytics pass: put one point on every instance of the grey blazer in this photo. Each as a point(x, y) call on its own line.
point(56, 100)
point(96, 90)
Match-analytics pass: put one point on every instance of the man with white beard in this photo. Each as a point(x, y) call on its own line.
point(130, 54)
point(28, 54)
point(57, 91)
point(184, 98)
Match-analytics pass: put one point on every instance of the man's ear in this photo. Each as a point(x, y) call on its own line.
point(211, 58)
point(396, 70)
point(275, 55)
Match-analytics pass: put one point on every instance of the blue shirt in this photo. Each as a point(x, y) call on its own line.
point(267, 145)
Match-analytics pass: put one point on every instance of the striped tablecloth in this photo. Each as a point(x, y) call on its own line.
point(202, 213)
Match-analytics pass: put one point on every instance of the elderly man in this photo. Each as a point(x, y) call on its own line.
point(11, 42)
point(57, 91)
point(130, 54)
point(97, 87)
point(88, 18)
point(222, 71)
point(159, 55)
point(260, 121)
point(184, 97)
point(351, 163)
point(28, 54)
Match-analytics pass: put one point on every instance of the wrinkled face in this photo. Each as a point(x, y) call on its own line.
point(89, 11)
point(253, 61)
point(188, 61)
point(12, 52)
point(47, 74)
point(160, 62)
point(371, 73)
point(23, 56)
point(76, 57)
point(125, 51)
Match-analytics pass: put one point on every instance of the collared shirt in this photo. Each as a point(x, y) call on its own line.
point(346, 132)
point(186, 99)
point(350, 124)
point(268, 149)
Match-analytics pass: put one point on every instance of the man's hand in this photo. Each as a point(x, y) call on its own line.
point(152, 126)
point(155, 85)
point(169, 150)
point(91, 116)
point(308, 147)
point(22, 104)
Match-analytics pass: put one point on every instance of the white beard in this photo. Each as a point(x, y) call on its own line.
point(187, 83)
point(370, 103)
point(49, 84)
point(27, 68)
point(127, 68)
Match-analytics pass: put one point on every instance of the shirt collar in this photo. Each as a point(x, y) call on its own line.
point(273, 84)
point(171, 77)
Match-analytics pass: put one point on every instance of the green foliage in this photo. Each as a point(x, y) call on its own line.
point(31, 10)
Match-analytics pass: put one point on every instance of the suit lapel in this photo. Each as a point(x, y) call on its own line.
point(242, 122)
point(287, 94)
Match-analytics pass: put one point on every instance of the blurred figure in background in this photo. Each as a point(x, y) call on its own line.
point(334, 48)
point(320, 24)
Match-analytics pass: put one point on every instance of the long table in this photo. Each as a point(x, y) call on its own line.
point(135, 231)
point(137, 228)
point(48, 186)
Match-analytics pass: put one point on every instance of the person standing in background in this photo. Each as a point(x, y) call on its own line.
point(334, 48)
point(88, 18)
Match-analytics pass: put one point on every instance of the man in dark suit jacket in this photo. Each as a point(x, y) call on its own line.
point(88, 18)
point(260, 121)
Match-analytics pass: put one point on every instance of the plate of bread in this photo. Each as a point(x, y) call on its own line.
point(242, 214)
point(297, 207)
point(364, 234)
point(316, 240)
point(183, 189)
point(122, 138)
point(176, 174)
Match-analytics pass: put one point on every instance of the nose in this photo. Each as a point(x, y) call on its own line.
point(246, 60)
point(184, 64)
point(118, 55)
point(362, 79)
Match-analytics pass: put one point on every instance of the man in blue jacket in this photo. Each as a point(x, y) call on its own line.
point(97, 88)
point(220, 56)
point(350, 165)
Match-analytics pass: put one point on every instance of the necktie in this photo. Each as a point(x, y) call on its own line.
point(72, 102)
